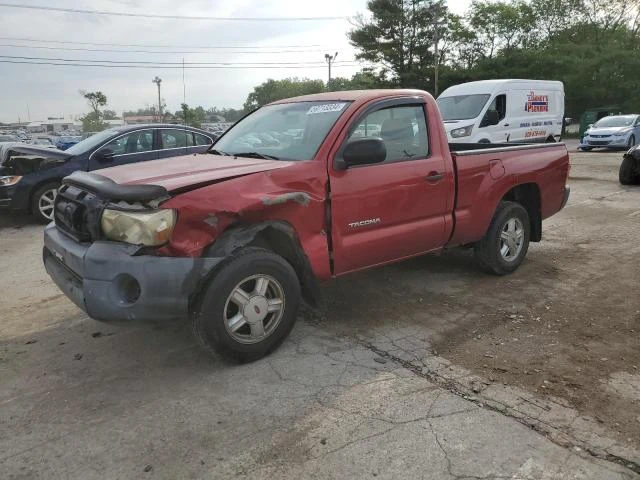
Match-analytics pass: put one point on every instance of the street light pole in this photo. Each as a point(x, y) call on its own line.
point(330, 59)
point(158, 81)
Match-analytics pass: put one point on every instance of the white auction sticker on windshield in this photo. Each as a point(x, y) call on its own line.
point(326, 108)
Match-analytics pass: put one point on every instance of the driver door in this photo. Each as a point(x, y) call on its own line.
point(136, 146)
point(395, 209)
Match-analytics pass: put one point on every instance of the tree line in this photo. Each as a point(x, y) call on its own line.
point(593, 46)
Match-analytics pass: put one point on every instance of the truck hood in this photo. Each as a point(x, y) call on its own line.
point(188, 172)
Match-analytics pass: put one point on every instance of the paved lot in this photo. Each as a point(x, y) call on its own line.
point(427, 369)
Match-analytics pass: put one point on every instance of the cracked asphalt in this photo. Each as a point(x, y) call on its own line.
point(376, 385)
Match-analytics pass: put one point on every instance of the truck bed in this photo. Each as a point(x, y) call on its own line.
point(491, 172)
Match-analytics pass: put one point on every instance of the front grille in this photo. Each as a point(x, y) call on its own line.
point(598, 143)
point(599, 136)
point(77, 213)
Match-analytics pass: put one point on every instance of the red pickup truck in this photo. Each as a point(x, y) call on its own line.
point(298, 192)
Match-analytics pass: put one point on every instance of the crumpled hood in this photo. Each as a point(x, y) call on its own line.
point(189, 171)
point(608, 130)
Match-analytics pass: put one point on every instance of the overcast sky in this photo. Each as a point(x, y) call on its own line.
point(39, 91)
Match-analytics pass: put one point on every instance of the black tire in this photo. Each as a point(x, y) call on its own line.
point(38, 196)
point(550, 139)
point(488, 250)
point(208, 315)
point(627, 174)
point(631, 143)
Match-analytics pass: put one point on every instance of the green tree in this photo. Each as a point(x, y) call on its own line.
point(501, 25)
point(273, 90)
point(400, 37)
point(92, 122)
point(190, 116)
point(109, 115)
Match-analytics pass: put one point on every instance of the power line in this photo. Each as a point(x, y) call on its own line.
point(142, 45)
point(172, 17)
point(169, 67)
point(16, 57)
point(83, 49)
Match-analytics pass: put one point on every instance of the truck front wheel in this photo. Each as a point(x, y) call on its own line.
point(505, 245)
point(249, 306)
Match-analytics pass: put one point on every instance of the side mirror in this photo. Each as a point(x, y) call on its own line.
point(363, 151)
point(492, 117)
point(104, 155)
point(589, 126)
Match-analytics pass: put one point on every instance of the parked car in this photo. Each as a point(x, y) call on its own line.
point(232, 239)
point(42, 142)
point(630, 167)
point(498, 111)
point(65, 142)
point(615, 131)
point(30, 178)
point(7, 137)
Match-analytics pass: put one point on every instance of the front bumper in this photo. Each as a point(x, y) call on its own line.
point(8, 197)
point(112, 283)
point(609, 141)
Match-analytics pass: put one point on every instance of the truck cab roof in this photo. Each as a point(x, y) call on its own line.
point(351, 95)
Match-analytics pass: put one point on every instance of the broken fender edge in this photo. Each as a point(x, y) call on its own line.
point(278, 236)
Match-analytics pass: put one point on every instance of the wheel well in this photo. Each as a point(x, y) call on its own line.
point(280, 238)
point(35, 188)
point(528, 195)
point(285, 244)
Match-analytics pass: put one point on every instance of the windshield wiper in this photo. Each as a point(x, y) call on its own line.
point(218, 152)
point(264, 156)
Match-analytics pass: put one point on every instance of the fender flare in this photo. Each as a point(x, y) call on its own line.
point(277, 236)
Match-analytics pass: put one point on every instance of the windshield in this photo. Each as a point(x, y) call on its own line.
point(608, 122)
point(91, 142)
point(289, 131)
point(462, 107)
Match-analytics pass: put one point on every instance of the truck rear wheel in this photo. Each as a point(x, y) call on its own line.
point(627, 174)
point(249, 306)
point(506, 243)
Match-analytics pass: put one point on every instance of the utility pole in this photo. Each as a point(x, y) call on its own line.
point(158, 81)
point(436, 48)
point(330, 59)
point(436, 65)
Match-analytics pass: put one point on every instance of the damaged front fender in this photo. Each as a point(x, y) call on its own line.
point(287, 207)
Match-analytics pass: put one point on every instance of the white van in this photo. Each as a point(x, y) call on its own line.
point(498, 111)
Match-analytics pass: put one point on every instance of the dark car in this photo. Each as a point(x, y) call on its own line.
point(30, 176)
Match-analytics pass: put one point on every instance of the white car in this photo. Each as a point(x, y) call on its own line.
point(615, 131)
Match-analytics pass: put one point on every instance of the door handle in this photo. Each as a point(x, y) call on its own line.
point(506, 124)
point(435, 177)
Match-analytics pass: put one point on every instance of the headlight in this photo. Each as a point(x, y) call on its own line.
point(623, 133)
point(9, 180)
point(462, 132)
point(139, 228)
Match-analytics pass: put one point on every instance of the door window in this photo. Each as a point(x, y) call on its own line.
point(499, 104)
point(202, 140)
point(176, 138)
point(403, 130)
point(134, 142)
